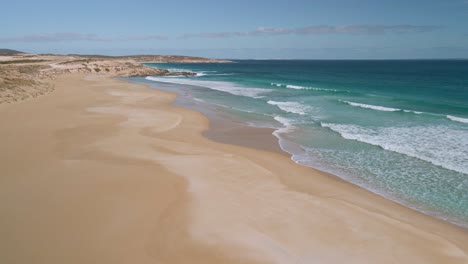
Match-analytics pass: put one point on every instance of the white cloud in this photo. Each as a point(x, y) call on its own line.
point(272, 31)
point(259, 31)
point(321, 29)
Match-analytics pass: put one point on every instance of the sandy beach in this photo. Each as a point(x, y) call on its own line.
point(105, 171)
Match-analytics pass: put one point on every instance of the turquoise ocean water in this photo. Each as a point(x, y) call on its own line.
point(397, 128)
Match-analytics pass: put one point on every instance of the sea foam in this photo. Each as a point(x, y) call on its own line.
point(373, 107)
point(287, 126)
point(440, 145)
point(215, 85)
point(291, 107)
point(458, 119)
point(382, 108)
point(197, 73)
point(298, 87)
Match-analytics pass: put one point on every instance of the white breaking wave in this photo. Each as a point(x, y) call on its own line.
point(197, 73)
point(210, 73)
point(215, 85)
point(440, 145)
point(373, 107)
point(381, 108)
point(178, 70)
point(297, 87)
point(199, 100)
point(291, 107)
point(287, 126)
point(414, 112)
point(283, 120)
point(458, 119)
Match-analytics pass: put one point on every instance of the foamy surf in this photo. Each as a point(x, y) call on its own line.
point(373, 107)
point(291, 107)
point(440, 145)
point(197, 73)
point(298, 87)
point(382, 108)
point(178, 70)
point(287, 126)
point(216, 85)
point(414, 112)
point(458, 119)
point(419, 158)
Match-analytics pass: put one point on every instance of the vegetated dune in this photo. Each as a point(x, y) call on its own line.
point(24, 76)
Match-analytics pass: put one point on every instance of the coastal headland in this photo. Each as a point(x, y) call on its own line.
point(24, 76)
point(100, 170)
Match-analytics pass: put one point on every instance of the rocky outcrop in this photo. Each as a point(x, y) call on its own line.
point(143, 71)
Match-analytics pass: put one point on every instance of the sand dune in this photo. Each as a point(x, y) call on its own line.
point(26, 76)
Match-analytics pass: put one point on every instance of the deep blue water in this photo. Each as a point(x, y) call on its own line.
point(398, 128)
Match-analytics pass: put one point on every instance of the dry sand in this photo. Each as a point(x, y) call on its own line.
point(27, 76)
point(104, 171)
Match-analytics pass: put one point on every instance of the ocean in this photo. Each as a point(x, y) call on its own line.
point(398, 128)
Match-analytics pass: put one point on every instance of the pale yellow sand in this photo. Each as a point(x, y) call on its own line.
point(103, 171)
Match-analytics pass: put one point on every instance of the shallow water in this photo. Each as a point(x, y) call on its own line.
point(397, 128)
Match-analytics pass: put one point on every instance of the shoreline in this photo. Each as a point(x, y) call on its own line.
point(228, 203)
point(227, 129)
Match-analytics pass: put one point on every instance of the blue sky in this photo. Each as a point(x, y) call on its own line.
point(352, 29)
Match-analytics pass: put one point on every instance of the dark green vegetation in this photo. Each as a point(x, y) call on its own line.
point(9, 52)
point(21, 61)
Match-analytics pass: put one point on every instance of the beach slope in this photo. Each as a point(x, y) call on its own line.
point(105, 171)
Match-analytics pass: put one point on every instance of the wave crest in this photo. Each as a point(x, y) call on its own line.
point(297, 87)
point(291, 107)
point(458, 119)
point(440, 145)
point(215, 85)
point(373, 107)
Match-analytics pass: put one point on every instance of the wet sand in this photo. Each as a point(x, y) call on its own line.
point(105, 171)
